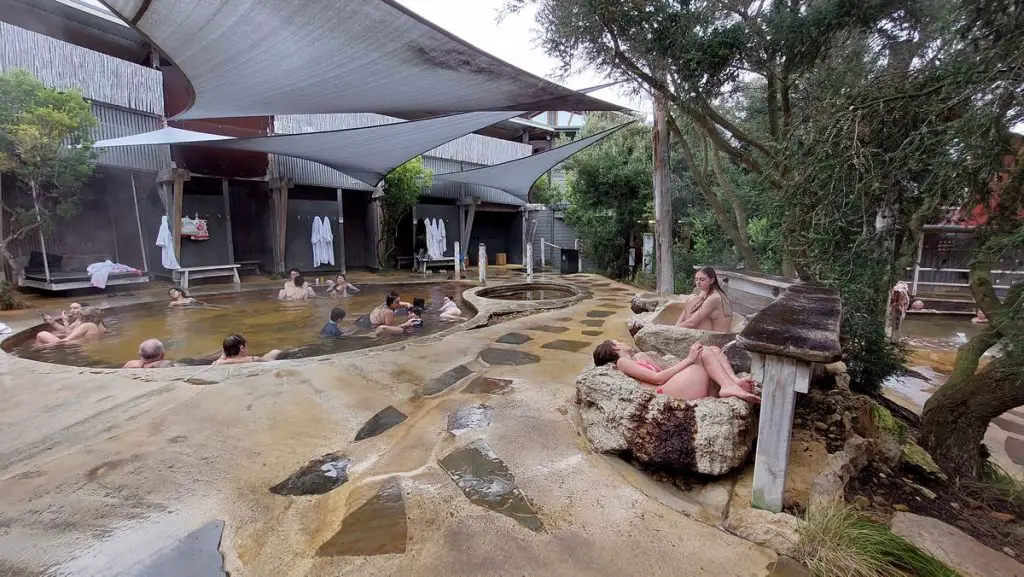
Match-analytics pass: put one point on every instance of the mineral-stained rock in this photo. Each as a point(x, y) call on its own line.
point(829, 485)
point(778, 531)
point(709, 436)
point(672, 340)
point(637, 322)
point(648, 302)
point(919, 460)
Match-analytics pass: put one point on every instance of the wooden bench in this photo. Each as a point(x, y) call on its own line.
point(184, 274)
point(253, 265)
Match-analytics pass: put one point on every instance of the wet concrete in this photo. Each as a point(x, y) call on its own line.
point(1008, 425)
point(599, 314)
point(377, 527)
point(506, 357)
point(447, 379)
point(488, 386)
point(513, 339)
point(591, 333)
point(316, 477)
point(592, 323)
point(548, 329)
point(566, 345)
point(471, 417)
point(487, 481)
point(385, 419)
point(196, 555)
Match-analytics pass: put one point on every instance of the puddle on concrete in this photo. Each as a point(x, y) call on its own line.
point(566, 345)
point(488, 386)
point(592, 323)
point(377, 527)
point(196, 555)
point(507, 357)
point(487, 481)
point(513, 339)
point(599, 314)
point(592, 333)
point(316, 477)
point(441, 383)
point(471, 417)
point(548, 329)
point(385, 419)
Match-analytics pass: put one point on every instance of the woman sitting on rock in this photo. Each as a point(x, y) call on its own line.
point(690, 379)
point(708, 309)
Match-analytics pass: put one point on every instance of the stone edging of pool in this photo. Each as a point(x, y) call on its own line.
point(211, 374)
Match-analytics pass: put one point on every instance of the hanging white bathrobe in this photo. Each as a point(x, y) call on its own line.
point(327, 241)
point(165, 241)
point(443, 240)
point(428, 224)
point(314, 239)
point(437, 238)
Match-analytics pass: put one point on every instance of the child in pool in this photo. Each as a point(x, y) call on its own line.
point(341, 287)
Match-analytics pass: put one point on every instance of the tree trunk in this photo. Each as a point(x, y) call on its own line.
point(662, 198)
point(12, 262)
point(741, 216)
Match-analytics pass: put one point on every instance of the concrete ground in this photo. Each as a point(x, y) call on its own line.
point(103, 471)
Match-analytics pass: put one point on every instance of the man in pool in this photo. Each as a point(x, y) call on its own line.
point(332, 329)
point(151, 356)
point(236, 351)
point(69, 320)
point(299, 290)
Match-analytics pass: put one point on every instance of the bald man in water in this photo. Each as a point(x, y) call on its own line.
point(151, 356)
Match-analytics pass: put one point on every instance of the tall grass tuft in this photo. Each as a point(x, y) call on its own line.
point(837, 542)
point(1003, 483)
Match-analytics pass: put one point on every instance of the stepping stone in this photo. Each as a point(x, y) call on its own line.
point(565, 345)
point(564, 319)
point(197, 554)
point(592, 323)
point(513, 339)
point(507, 357)
point(1017, 413)
point(487, 481)
point(1015, 449)
point(592, 333)
point(599, 314)
point(471, 417)
point(1008, 425)
point(964, 553)
point(385, 419)
point(548, 329)
point(316, 477)
point(488, 386)
point(610, 306)
point(441, 383)
point(377, 527)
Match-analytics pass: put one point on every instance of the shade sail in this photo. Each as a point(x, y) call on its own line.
point(366, 154)
point(267, 57)
point(517, 176)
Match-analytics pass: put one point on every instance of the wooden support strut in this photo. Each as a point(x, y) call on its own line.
point(225, 187)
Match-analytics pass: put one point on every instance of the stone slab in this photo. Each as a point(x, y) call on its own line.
point(548, 329)
point(384, 419)
point(316, 477)
point(471, 417)
point(513, 339)
point(196, 555)
point(954, 547)
point(592, 333)
point(803, 323)
point(595, 314)
point(488, 482)
point(446, 379)
point(1008, 425)
point(566, 345)
point(488, 386)
point(593, 322)
point(493, 356)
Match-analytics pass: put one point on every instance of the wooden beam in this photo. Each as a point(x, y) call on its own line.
point(469, 225)
point(778, 403)
point(138, 223)
point(224, 188)
point(178, 189)
point(341, 234)
point(665, 281)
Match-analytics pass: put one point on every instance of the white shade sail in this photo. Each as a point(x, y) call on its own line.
point(366, 154)
point(517, 176)
point(267, 57)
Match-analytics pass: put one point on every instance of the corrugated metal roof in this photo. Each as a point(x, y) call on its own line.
point(267, 57)
point(118, 122)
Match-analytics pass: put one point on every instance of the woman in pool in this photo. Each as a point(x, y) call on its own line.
point(708, 309)
point(412, 325)
point(299, 290)
point(69, 320)
point(450, 311)
point(690, 379)
point(90, 329)
point(341, 287)
point(179, 297)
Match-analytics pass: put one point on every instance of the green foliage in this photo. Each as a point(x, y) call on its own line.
point(837, 542)
point(402, 188)
point(8, 302)
point(609, 193)
point(546, 192)
point(889, 424)
point(1001, 482)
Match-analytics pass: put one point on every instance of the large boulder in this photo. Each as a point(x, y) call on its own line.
point(619, 415)
point(637, 322)
point(777, 531)
point(648, 302)
point(672, 340)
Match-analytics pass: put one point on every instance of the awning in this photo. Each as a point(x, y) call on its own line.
point(366, 154)
point(517, 176)
point(267, 57)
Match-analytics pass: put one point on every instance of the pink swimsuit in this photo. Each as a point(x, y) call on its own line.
point(650, 366)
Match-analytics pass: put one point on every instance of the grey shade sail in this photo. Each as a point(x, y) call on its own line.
point(517, 176)
point(366, 154)
point(267, 57)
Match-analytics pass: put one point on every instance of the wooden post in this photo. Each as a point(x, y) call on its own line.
point(179, 195)
point(784, 339)
point(458, 264)
point(662, 197)
point(917, 264)
point(279, 202)
point(224, 187)
point(529, 263)
point(542, 249)
point(138, 222)
point(579, 255)
point(481, 261)
point(341, 234)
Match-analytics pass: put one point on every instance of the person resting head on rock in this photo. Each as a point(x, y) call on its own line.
point(236, 351)
point(151, 356)
point(692, 378)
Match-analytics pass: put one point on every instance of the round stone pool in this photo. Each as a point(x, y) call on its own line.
point(193, 335)
point(529, 292)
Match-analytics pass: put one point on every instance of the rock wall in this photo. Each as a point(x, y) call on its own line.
point(619, 415)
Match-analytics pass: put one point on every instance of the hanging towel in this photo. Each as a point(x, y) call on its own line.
point(165, 241)
point(314, 240)
point(434, 234)
point(99, 272)
point(327, 241)
point(443, 241)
